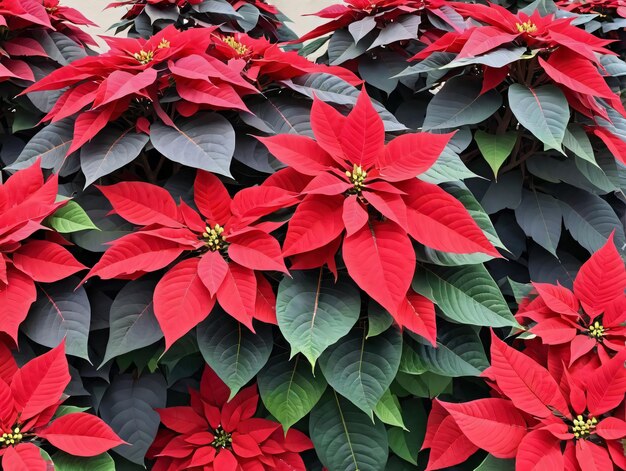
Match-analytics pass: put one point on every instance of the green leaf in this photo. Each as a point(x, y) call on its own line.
point(206, 142)
point(314, 312)
point(466, 294)
point(64, 410)
point(411, 361)
point(289, 389)
point(62, 311)
point(407, 443)
point(64, 462)
point(50, 145)
point(132, 322)
point(495, 148)
point(540, 215)
point(388, 410)
point(378, 319)
point(362, 369)
point(428, 385)
point(577, 141)
point(460, 102)
point(544, 111)
point(233, 351)
point(491, 463)
point(459, 352)
point(111, 149)
point(448, 168)
point(345, 438)
point(70, 218)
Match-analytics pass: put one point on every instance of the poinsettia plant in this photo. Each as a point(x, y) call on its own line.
point(220, 432)
point(29, 414)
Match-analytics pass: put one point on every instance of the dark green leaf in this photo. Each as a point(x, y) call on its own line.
point(540, 215)
point(50, 145)
point(64, 462)
point(378, 319)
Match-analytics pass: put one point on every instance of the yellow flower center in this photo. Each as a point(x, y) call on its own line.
point(357, 177)
point(596, 330)
point(236, 45)
point(144, 57)
point(164, 44)
point(526, 27)
point(214, 238)
point(12, 438)
point(582, 428)
point(222, 439)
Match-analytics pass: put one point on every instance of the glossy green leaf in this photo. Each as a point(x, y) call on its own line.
point(362, 369)
point(491, 463)
point(466, 294)
point(378, 319)
point(345, 438)
point(540, 215)
point(289, 389)
point(314, 312)
point(577, 141)
point(544, 111)
point(70, 218)
point(495, 148)
point(388, 410)
point(407, 443)
point(233, 351)
point(64, 462)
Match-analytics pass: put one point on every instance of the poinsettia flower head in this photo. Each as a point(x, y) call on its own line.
point(361, 191)
point(215, 433)
point(225, 243)
point(31, 396)
point(588, 319)
point(542, 420)
point(603, 8)
point(267, 63)
point(26, 199)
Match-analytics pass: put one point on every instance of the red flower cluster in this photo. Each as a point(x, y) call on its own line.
point(227, 244)
point(140, 72)
point(600, 7)
point(25, 201)
point(590, 320)
point(546, 418)
point(29, 399)
point(359, 190)
point(19, 19)
point(215, 434)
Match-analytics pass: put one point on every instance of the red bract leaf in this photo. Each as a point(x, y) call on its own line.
point(211, 198)
point(606, 386)
point(390, 206)
point(449, 446)
point(417, 314)
point(298, 152)
point(256, 250)
point(601, 279)
point(135, 253)
point(212, 269)
point(539, 451)
point(592, 457)
point(265, 306)
point(354, 215)
point(616, 451)
point(181, 301)
point(46, 261)
point(23, 457)
point(327, 184)
point(555, 331)
point(435, 419)
point(524, 381)
point(558, 298)
point(381, 260)
point(316, 222)
point(438, 220)
point(81, 434)
point(327, 125)
point(410, 155)
point(613, 142)
point(494, 425)
point(611, 428)
point(40, 383)
point(580, 345)
point(363, 133)
point(142, 203)
point(225, 460)
point(238, 293)
point(88, 124)
point(485, 39)
point(121, 83)
point(8, 366)
point(16, 297)
point(182, 419)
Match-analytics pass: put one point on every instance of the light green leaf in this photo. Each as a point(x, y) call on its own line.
point(577, 141)
point(345, 438)
point(70, 218)
point(466, 294)
point(495, 148)
point(234, 352)
point(314, 312)
point(362, 369)
point(544, 111)
point(388, 410)
point(289, 389)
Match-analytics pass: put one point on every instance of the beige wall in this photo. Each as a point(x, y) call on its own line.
point(294, 9)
